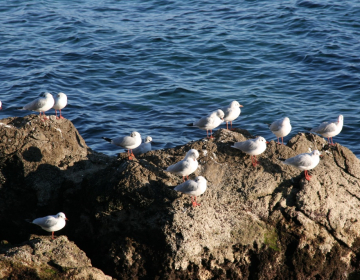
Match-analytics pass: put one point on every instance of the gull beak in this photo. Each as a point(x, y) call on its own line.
point(66, 219)
point(241, 105)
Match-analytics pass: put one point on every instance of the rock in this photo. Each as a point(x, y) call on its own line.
point(43, 258)
point(264, 222)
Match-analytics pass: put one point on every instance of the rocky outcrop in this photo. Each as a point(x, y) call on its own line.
point(264, 222)
point(43, 258)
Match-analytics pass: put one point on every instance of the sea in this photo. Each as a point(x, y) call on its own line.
point(155, 66)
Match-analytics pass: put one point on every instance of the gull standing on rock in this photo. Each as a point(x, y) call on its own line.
point(252, 147)
point(186, 166)
point(144, 147)
point(305, 161)
point(193, 188)
point(209, 122)
point(281, 128)
point(51, 223)
point(330, 129)
point(127, 142)
point(60, 103)
point(41, 104)
point(231, 112)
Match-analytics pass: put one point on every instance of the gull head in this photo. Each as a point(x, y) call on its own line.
point(235, 104)
point(220, 114)
point(61, 95)
point(45, 94)
point(315, 153)
point(61, 215)
point(148, 139)
point(260, 139)
point(341, 118)
point(135, 134)
point(194, 154)
point(200, 179)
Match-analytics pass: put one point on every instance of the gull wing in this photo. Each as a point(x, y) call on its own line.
point(203, 122)
point(45, 222)
point(124, 141)
point(276, 125)
point(36, 104)
point(187, 187)
point(246, 146)
point(302, 160)
point(178, 167)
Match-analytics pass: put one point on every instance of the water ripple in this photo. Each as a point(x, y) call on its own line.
point(169, 63)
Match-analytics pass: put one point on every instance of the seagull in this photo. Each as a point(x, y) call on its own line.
point(144, 147)
point(281, 128)
point(41, 104)
point(305, 161)
point(0, 105)
point(209, 122)
point(330, 129)
point(186, 166)
point(60, 103)
point(127, 142)
point(252, 147)
point(51, 223)
point(193, 188)
point(231, 112)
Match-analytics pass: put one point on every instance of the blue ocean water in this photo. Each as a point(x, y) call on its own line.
point(154, 66)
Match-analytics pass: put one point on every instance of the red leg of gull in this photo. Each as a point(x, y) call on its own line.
point(211, 137)
point(44, 117)
point(207, 134)
point(227, 125)
point(56, 114)
point(278, 140)
point(194, 202)
point(255, 162)
point(52, 235)
point(231, 126)
point(307, 176)
point(129, 154)
point(183, 178)
point(61, 117)
point(282, 140)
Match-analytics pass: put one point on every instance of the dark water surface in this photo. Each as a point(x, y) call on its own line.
point(154, 66)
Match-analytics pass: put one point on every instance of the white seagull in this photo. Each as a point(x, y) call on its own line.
point(127, 142)
point(330, 129)
point(281, 128)
point(252, 147)
point(231, 112)
point(0, 105)
point(51, 223)
point(193, 188)
point(41, 104)
point(60, 103)
point(305, 161)
point(209, 122)
point(186, 166)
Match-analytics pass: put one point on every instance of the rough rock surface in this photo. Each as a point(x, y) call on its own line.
point(264, 222)
point(43, 258)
